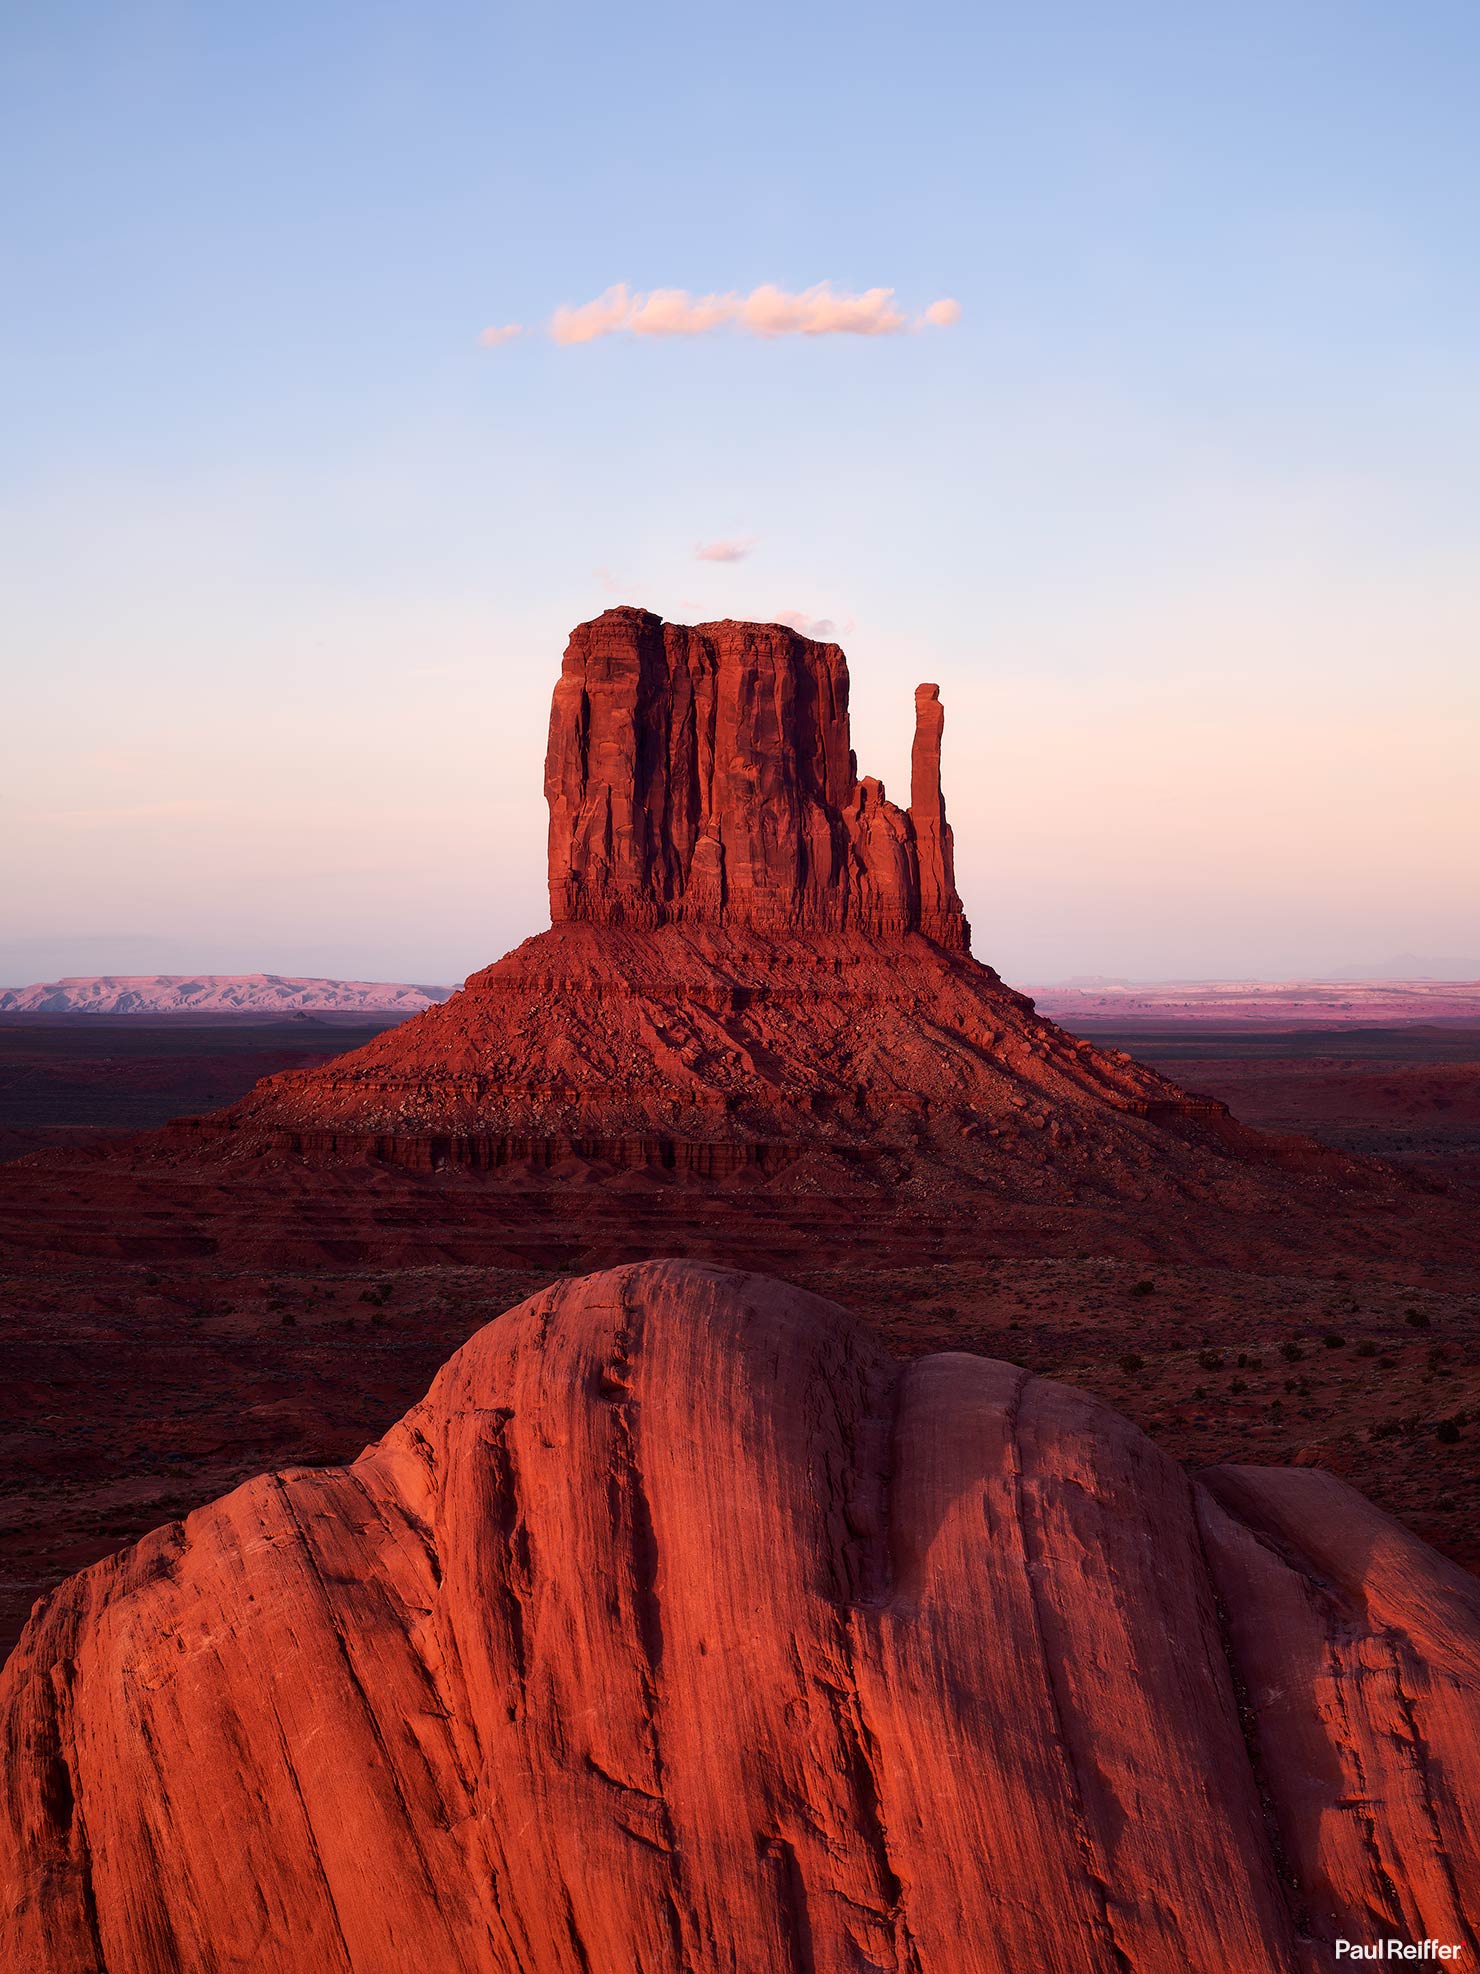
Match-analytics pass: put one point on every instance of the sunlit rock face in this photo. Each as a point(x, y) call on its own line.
point(681, 1628)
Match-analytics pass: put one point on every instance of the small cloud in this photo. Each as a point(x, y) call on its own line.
point(767, 311)
point(724, 551)
point(494, 338)
point(805, 626)
point(613, 585)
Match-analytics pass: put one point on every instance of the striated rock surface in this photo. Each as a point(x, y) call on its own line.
point(706, 774)
point(679, 1628)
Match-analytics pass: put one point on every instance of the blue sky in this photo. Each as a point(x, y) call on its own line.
point(1181, 512)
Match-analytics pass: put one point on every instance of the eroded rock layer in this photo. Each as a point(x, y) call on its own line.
point(679, 1628)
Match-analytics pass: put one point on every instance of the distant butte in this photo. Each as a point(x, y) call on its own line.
point(754, 958)
point(681, 1628)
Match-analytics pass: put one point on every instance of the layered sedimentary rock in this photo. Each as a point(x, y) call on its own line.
point(754, 953)
point(706, 775)
point(679, 1628)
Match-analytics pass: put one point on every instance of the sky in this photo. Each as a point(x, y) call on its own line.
point(1117, 368)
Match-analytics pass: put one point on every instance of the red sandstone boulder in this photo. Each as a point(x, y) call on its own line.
point(681, 1629)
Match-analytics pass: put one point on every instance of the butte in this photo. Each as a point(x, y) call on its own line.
point(757, 965)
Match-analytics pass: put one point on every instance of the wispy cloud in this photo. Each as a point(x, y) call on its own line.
point(805, 626)
point(724, 551)
point(766, 311)
point(498, 334)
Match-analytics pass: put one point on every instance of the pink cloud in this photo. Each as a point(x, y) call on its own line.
point(495, 337)
point(724, 551)
point(766, 311)
point(804, 626)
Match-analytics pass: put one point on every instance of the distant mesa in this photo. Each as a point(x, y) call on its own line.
point(681, 1627)
point(1333, 1003)
point(217, 993)
point(755, 958)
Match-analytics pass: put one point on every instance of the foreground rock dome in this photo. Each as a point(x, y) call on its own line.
point(681, 1628)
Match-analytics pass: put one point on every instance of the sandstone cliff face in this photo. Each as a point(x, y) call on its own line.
point(680, 1629)
point(705, 774)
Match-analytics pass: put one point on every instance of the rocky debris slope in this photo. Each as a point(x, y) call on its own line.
point(753, 952)
point(679, 1628)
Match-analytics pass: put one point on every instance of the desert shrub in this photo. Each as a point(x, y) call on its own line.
point(1417, 1319)
point(1132, 1362)
point(1447, 1431)
point(289, 1317)
point(1238, 1387)
point(1366, 1348)
point(1210, 1360)
point(1334, 1340)
point(1141, 1288)
point(1403, 1427)
point(1291, 1352)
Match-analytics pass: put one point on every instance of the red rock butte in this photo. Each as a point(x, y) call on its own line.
point(755, 958)
point(680, 1627)
point(706, 776)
